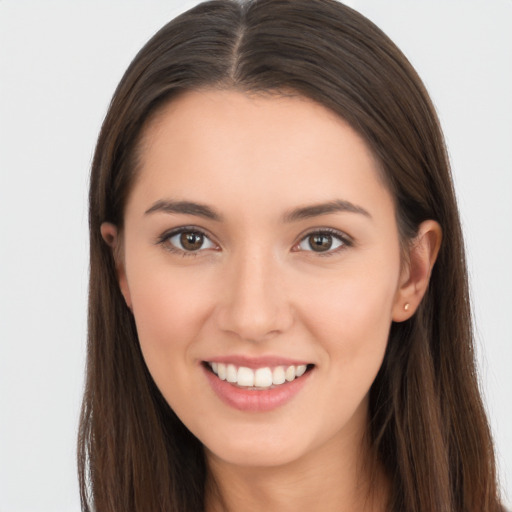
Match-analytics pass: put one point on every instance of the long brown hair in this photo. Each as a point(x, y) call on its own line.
point(427, 427)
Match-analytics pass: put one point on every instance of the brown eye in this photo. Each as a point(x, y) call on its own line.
point(320, 242)
point(323, 241)
point(191, 241)
point(187, 241)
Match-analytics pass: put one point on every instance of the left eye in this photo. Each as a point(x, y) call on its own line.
point(190, 241)
point(321, 242)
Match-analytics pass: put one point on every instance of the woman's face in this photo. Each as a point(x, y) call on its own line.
point(259, 241)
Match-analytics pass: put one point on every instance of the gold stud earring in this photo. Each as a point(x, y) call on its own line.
point(406, 307)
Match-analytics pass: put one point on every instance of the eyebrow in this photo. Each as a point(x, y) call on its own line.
point(184, 207)
point(315, 210)
point(301, 213)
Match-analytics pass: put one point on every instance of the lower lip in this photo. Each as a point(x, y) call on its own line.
point(252, 400)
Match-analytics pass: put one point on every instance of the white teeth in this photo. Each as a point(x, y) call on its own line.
point(299, 372)
point(245, 377)
point(278, 376)
point(263, 378)
point(231, 373)
point(290, 373)
point(259, 378)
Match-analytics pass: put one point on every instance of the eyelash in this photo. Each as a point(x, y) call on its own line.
point(345, 241)
point(164, 240)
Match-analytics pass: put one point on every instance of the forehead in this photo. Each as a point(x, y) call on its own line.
point(240, 148)
point(219, 111)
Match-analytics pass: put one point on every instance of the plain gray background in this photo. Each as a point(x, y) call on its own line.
point(59, 64)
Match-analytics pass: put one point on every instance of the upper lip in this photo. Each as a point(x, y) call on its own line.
point(257, 362)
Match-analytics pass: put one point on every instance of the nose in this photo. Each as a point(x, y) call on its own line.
point(254, 304)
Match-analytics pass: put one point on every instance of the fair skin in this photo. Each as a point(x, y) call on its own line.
point(223, 259)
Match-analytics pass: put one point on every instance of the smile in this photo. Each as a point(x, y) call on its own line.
point(257, 386)
point(257, 378)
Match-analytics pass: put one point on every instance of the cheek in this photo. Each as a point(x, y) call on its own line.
point(169, 308)
point(350, 318)
point(353, 304)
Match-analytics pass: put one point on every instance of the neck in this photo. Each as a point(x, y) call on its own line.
point(337, 477)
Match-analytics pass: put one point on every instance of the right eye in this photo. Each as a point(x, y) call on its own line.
point(187, 241)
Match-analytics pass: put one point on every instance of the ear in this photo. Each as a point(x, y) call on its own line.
point(112, 238)
point(415, 275)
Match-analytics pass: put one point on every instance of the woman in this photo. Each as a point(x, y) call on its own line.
point(279, 312)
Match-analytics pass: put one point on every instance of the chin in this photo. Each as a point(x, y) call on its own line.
point(246, 452)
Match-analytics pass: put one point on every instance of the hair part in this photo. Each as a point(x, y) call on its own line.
point(428, 426)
